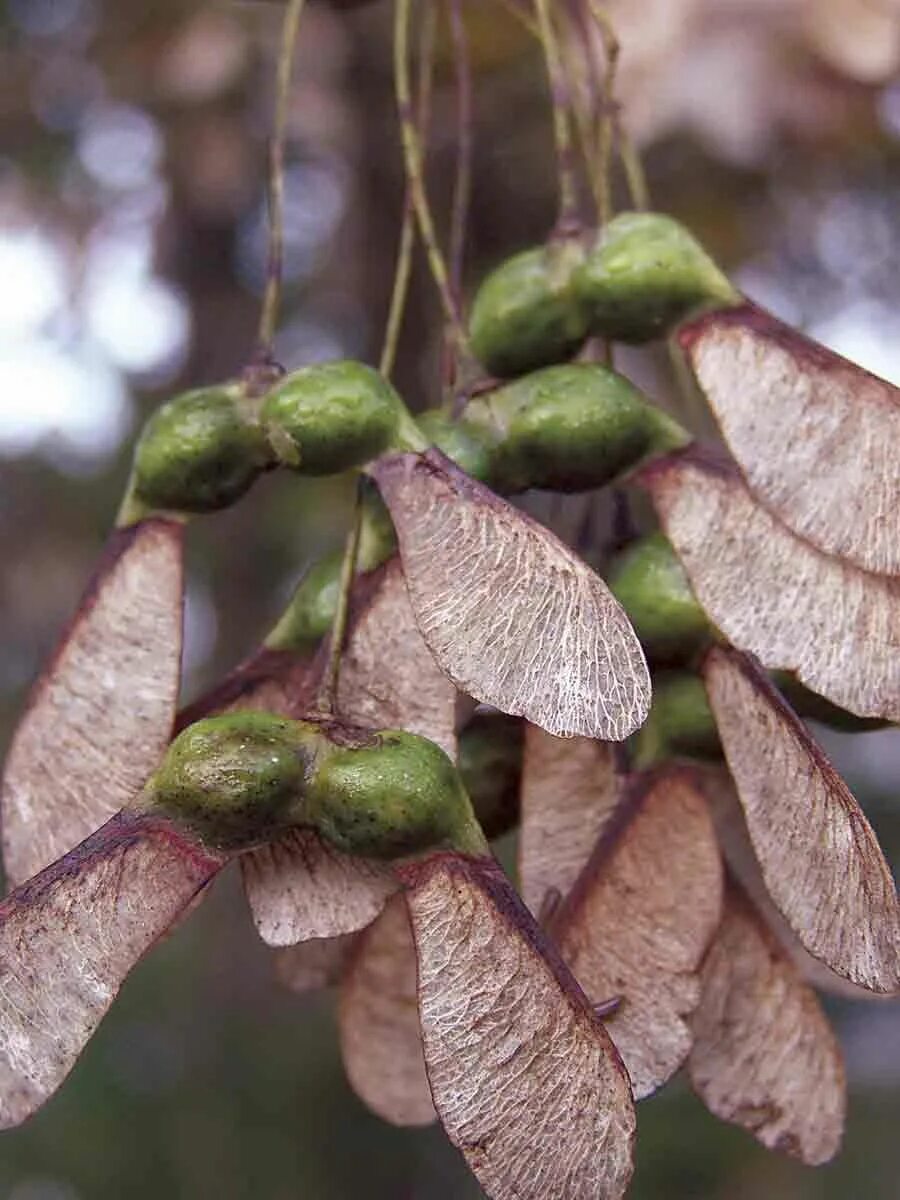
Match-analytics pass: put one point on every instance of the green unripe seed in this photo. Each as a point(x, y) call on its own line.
point(490, 763)
point(331, 417)
point(198, 453)
point(680, 723)
point(526, 313)
point(568, 428)
point(397, 796)
point(466, 445)
point(650, 583)
point(235, 780)
point(645, 273)
point(816, 708)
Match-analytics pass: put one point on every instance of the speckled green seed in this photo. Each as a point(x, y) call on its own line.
point(816, 708)
point(645, 274)
point(490, 763)
point(198, 453)
point(651, 585)
point(236, 780)
point(329, 417)
point(680, 724)
point(395, 797)
point(526, 313)
point(466, 445)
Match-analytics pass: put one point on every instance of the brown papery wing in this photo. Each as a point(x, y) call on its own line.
point(818, 854)
point(100, 714)
point(70, 935)
point(524, 1078)
point(816, 436)
point(570, 789)
point(378, 1019)
point(315, 964)
point(641, 917)
point(764, 1054)
point(773, 594)
point(513, 616)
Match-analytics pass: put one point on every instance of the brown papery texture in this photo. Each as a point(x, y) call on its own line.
point(389, 678)
point(640, 919)
point(378, 1020)
point(524, 1078)
point(275, 681)
point(570, 789)
point(819, 856)
point(100, 714)
point(816, 436)
point(69, 937)
point(299, 887)
point(513, 617)
point(315, 964)
point(764, 1054)
point(773, 594)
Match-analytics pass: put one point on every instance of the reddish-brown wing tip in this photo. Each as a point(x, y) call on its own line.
point(513, 617)
point(764, 1055)
point(819, 856)
point(641, 917)
point(70, 935)
point(100, 715)
point(381, 1042)
point(523, 1076)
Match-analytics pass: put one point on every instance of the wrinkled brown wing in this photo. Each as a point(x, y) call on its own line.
point(70, 935)
point(819, 856)
point(378, 1019)
point(570, 789)
point(816, 436)
point(772, 594)
point(315, 964)
point(513, 616)
point(641, 917)
point(100, 714)
point(764, 1055)
point(524, 1078)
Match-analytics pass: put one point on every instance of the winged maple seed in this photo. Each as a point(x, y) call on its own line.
point(115, 670)
point(772, 594)
point(815, 435)
point(513, 616)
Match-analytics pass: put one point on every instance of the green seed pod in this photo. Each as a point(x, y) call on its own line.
point(490, 763)
point(526, 313)
point(330, 417)
point(198, 453)
point(645, 273)
point(568, 428)
point(236, 780)
point(393, 797)
point(466, 445)
point(651, 585)
point(809, 705)
point(680, 723)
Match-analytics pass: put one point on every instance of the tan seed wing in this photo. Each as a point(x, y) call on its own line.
point(772, 594)
point(819, 856)
point(816, 436)
point(764, 1055)
point(100, 715)
point(640, 919)
point(69, 937)
point(299, 888)
point(275, 681)
point(381, 1042)
point(513, 617)
point(570, 789)
point(318, 963)
point(524, 1078)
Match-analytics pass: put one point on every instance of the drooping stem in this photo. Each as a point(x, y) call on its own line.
point(327, 699)
point(462, 185)
point(611, 125)
point(275, 264)
point(608, 120)
point(562, 129)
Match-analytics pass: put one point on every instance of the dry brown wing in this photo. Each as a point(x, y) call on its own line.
point(641, 917)
point(764, 1055)
point(378, 1019)
point(774, 595)
point(276, 681)
point(513, 616)
point(570, 789)
point(318, 963)
point(70, 935)
point(523, 1076)
point(816, 436)
point(100, 714)
point(819, 856)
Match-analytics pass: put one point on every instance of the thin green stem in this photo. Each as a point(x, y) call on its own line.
point(275, 266)
point(462, 185)
point(562, 130)
point(327, 699)
point(611, 125)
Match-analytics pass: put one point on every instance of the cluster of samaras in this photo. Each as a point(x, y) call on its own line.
point(362, 830)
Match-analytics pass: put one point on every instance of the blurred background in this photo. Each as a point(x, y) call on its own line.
point(132, 240)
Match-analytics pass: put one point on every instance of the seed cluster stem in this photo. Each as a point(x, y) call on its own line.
point(562, 129)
